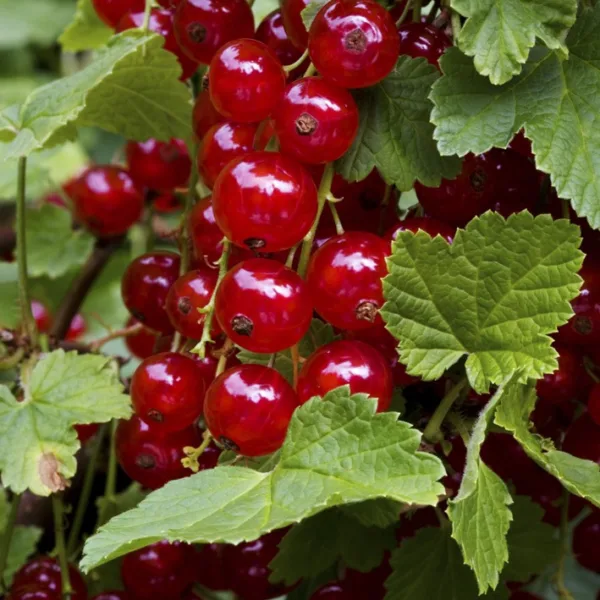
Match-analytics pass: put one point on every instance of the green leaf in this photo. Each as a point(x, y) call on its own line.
point(37, 440)
point(131, 88)
point(318, 335)
point(337, 451)
point(261, 8)
point(10, 312)
point(532, 544)
point(119, 503)
point(580, 477)
point(501, 33)
point(53, 247)
point(380, 512)
point(554, 99)
point(394, 133)
point(316, 544)
point(430, 567)
point(309, 13)
point(479, 514)
point(583, 584)
point(494, 295)
point(86, 31)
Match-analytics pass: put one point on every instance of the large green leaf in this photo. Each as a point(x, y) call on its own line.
point(501, 33)
point(554, 99)
point(86, 31)
point(493, 295)
point(37, 438)
point(337, 451)
point(395, 134)
point(10, 312)
point(131, 88)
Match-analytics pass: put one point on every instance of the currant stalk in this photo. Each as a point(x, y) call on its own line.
point(432, 430)
point(58, 511)
point(7, 535)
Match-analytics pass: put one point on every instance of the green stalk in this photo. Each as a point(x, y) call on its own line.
point(59, 537)
point(7, 537)
point(417, 6)
point(432, 430)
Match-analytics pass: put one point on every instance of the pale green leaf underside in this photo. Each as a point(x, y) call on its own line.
point(131, 88)
point(86, 31)
point(494, 295)
point(394, 134)
point(37, 439)
point(309, 13)
point(580, 477)
point(499, 34)
point(337, 451)
point(554, 99)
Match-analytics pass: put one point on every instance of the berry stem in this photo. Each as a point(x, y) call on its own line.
point(404, 14)
point(27, 316)
point(324, 191)
point(590, 368)
point(295, 65)
point(225, 350)
point(295, 362)
point(58, 511)
point(417, 6)
point(113, 335)
point(193, 454)
point(432, 431)
point(7, 536)
point(147, 11)
point(563, 592)
point(339, 228)
point(311, 70)
point(190, 201)
point(291, 254)
point(110, 487)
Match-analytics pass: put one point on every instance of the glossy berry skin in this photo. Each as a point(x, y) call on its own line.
point(336, 590)
point(315, 121)
point(422, 40)
point(114, 595)
point(203, 27)
point(106, 200)
point(248, 409)
point(586, 541)
point(43, 573)
point(246, 81)
point(189, 293)
point(291, 14)
point(41, 315)
point(167, 391)
point(76, 328)
point(161, 22)
point(570, 381)
point(162, 570)
point(347, 362)
point(221, 144)
point(263, 306)
point(204, 115)
point(265, 201)
point(146, 342)
point(32, 592)
point(593, 404)
point(111, 11)
point(353, 43)
point(152, 459)
point(145, 286)
point(583, 439)
point(207, 238)
point(431, 226)
point(344, 277)
point(159, 165)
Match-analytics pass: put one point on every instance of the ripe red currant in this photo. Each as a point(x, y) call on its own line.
point(162, 570)
point(422, 40)
point(169, 3)
point(506, 457)
point(265, 201)
point(344, 278)
point(161, 22)
point(593, 404)
point(41, 314)
point(167, 391)
point(111, 11)
point(207, 238)
point(347, 362)
point(86, 432)
point(203, 27)
point(431, 226)
point(152, 459)
point(336, 590)
point(211, 570)
point(583, 439)
point(145, 286)
point(43, 573)
point(205, 115)
point(586, 541)
point(76, 328)
point(371, 584)
point(113, 595)
point(32, 592)
point(522, 145)
point(159, 165)
point(315, 121)
point(263, 306)
point(106, 200)
point(221, 144)
point(166, 202)
point(291, 13)
point(353, 43)
point(248, 409)
point(146, 342)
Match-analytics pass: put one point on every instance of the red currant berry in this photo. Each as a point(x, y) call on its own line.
point(207, 238)
point(431, 226)
point(263, 306)
point(150, 459)
point(111, 11)
point(166, 202)
point(203, 27)
point(106, 200)
point(593, 404)
point(167, 391)
point(187, 295)
point(350, 363)
point(169, 3)
point(162, 570)
point(291, 13)
point(265, 201)
point(506, 457)
point(211, 570)
point(43, 319)
point(113, 595)
point(371, 584)
point(337, 590)
point(248, 409)
point(353, 43)
point(552, 420)
point(146, 342)
point(344, 278)
point(159, 165)
point(316, 122)
point(586, 541)
point(43, 573)
point(161, 22)
point(32, 592)
point(522, 145)
point(145, 286)
point(86, 432)
point(583, 439)
point(205, 115)
point(422, 40)
point(76, 328)
point(221, 144)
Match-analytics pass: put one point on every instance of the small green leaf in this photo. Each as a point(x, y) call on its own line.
point(310, 12)
point(86, 31)
point(395, 134)
point(337, 451)
point(501, 33)
point(119, 503)
point(380, 512)
point(37, 439)
point(580, 477)
point(261, 8)
point(493, 295)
